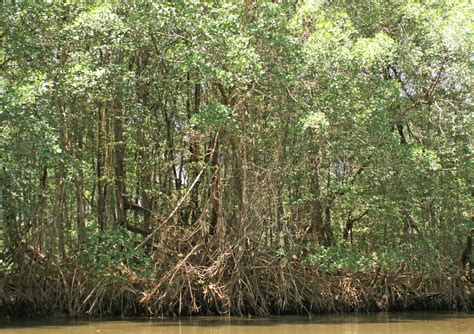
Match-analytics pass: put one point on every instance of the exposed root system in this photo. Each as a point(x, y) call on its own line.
point(227, 281)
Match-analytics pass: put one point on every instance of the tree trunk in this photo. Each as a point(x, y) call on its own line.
point(100, 169)
point(119, 170)
point(79, 182)
point(42, 208)
point(59, 210)
point(467, 253)
point(318, 224)
point(215, 188)
point(194, 151)
point(58, 217)
point(9, 210)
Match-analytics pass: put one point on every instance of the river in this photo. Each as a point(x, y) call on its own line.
point(393, 323)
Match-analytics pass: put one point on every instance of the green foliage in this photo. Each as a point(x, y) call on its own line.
point(327, 115)
point(315, 121)
point(214, 117)
point(421, 254)
point(332, 259)
point(111, 256)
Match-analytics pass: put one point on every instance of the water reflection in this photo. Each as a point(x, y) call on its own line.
point(395, 323)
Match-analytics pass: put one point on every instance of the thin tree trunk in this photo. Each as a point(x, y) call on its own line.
point(59, 209)
point(100, 169)
point(215, 189)
point(119, 169)
point(80, 216)
point(58, 216)
point(194, 150)
point(316, 209)
point(9, 210)
point(79, 183)
point(42, 208)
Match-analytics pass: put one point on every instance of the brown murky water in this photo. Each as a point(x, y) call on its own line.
point(393, 323)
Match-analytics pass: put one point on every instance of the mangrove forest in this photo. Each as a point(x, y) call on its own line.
point(213, 157)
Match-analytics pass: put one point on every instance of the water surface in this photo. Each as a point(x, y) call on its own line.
point(393, 323)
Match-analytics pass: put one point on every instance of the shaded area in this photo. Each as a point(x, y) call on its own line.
point(414, 322)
